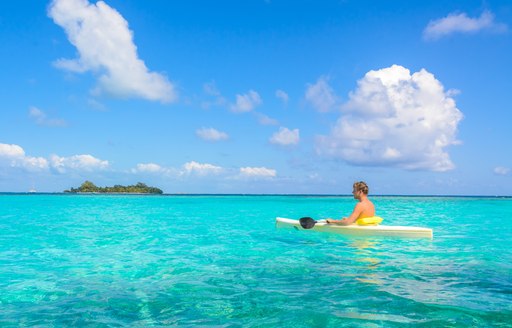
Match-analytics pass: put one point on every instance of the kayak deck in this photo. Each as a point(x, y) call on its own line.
point(358, 230)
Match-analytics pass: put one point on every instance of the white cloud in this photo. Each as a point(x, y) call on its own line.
point(395, 119)
point(285, 137)
point(321, 95)
point(500, 170)
point(246, 102)
point(105, 47)
point(211, 134)
point(282, 95)
point(152, 168)
point(14, 156)
point(201, 169)
point(205, 170)
point(148, 167)
point(41, 118)
point(257, 172)
point(34, 163)
point(461, 23)
point(77, 162)
point(11, 151)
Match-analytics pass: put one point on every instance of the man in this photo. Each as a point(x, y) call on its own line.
point(363, 209)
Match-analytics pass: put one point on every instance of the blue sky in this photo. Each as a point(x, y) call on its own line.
point(257, 96)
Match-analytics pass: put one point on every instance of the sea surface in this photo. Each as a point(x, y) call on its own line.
point(178, 260)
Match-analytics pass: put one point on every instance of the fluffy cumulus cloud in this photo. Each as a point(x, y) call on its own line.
point(205, 171)
point(14, 156)
point(461, 23)
point(257, 172)
point(41, 118)
point(396, 119)
point(285, 137)
point(211, 134)
point(201, 168)
point(246, 102)
point(105, 46)
point(321, 96)
point(77, 163)
point(11, 151)
point(501, 170)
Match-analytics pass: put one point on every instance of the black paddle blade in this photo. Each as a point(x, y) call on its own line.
point(307, 222)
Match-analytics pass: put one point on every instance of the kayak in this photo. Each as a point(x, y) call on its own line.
point(359, 230)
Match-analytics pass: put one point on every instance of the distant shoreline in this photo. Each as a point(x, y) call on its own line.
point(110, 193)
point(89, 187)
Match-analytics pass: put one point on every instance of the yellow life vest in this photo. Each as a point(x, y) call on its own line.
point(372, 220)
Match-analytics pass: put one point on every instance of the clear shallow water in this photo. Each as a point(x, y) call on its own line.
point(218, 260)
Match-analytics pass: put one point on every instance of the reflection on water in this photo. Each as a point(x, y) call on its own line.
point(365, 252)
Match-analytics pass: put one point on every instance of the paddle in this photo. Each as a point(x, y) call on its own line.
point(308, 223)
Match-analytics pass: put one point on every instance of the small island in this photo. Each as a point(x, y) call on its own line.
point(139, 188)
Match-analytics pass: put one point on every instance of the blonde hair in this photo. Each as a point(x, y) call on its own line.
point(361, 186)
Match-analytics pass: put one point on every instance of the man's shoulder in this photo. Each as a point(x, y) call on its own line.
point(366, 203)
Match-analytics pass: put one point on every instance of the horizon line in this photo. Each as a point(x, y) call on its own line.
point(248, 194)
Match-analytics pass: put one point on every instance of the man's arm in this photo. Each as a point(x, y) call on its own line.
point(351, 219)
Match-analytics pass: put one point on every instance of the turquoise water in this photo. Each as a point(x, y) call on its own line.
point(75, 260)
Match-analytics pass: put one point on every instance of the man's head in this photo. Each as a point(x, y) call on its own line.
point(358, 188)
